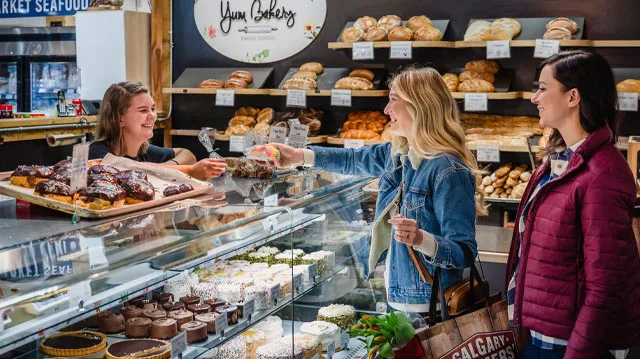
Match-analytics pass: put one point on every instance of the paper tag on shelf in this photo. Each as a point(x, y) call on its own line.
point(178, 344)
point(221, 323)
point(298, 136)
point(488, 153)
point(277, 134)
point(296, 98)
point(294, 121)
point(476, 102)
point(297, 283)
point(249, 308)
point(313, 271)
point(271, 201)
point(331, 350)
point(236, 144)
point(95, 248)
point(498, 49)
point(623, 142)
point(275, 294)
point(341, 98)
point(400, 50)
point(546, 48)
point(79, 160)
point(353, 143)
point(362, 51)
point(225, 98)
point(344, 341)
point(628, 101)
point(79, 294)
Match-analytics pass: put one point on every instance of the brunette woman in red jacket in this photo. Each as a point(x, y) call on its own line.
point(573, 277)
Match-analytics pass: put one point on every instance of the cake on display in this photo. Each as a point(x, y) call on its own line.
point(344, 316)
point(326, 332)
point(196, 331)
point(310, 345)
point(72, 344)
point(138, 327)
point(279, 351)
point(139, 348)
point(165, 328)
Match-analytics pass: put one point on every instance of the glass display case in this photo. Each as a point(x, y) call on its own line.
point(9, 84)
point(267, 255)
point(47, 79)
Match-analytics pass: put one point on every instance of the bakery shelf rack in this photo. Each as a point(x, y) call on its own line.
point(387, 45)
point(222, 137)
point(480, 44)
point(493, 95)
point(508, 148)
point(207, 91)
point(327, 93)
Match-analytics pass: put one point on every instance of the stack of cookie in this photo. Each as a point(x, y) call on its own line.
point(506, 182)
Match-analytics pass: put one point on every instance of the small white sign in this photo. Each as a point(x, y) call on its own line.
point(178, 344)
point(278, 134)
point(488, 153)
point(297, 283)
point(344, 341)
point(498, 49)
point(236, 144)
point(628, 101)
point(271, 201)
point(401, 50)
point(249, 308)
point(296, 98)
point(221, 323)
point(313, 271)
point(298, 136)
point(331, 350)
point(95, 248)
point(225, 98)
point(476, 102)
point(341, 98)
point(362, 51)
point(275, 294)
point(79, 294)
point(546, 48)
point(353, 143)
point(80, 156)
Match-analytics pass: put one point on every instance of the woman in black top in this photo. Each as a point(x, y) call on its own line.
point(125, 125)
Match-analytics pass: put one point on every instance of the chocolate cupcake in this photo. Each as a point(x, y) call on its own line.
point(199, 308)
point(196, 331)
point(154, 314)
point(163, 298)
point(131, 311)
point(165, 328)
point(209, 319)
point(188, 300)
point(181, 316)
point(171, 306)
point(111, 323)
point(138, 328)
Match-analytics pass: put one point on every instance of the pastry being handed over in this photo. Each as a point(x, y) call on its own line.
point(264, 153)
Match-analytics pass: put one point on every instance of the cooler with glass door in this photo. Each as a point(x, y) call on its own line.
point(47, 80)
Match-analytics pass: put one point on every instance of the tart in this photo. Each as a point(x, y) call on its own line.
point(139, 348)
point(73, 344)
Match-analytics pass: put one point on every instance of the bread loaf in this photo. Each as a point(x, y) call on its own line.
point(242, 120)
point(354, 83)
point(352, 34)
point(476, 85)
point(427, 33)
point(376, 33)
point(400, 34)
point(386, 135)
point(211, 84)
point(451, 81)
point(238, 130)
point(363, 73)
point(470, 75)
point(557, 33)
point(241, 74)
point(489, 66)
point(476, 30)
point(247, 111)
point(563, 22)
point(314, 67)
point(390, 20)
point(417, 22)
point(365, 23)
point(263, 128)
point(236, 83)
point(509, 25)
point(267, 115)
point(305, 74)
point(301, 83)
point(629, 85)
point(359, 135)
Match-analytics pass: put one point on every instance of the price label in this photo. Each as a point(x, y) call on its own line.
point(271, 201)
point(249, 308)
point(298, 136)
point(628, 101)
point(225, 98)
point(236, 144)
point(79, 294)
point(313, 271)
point(278, 134)
point(294, 121)
point(178, 344)
point(275, 294)
point(296, 98)
point(221, 323)
point(353, 143)
point(297, 283)
point(79, 159)
point(498, 49)
point(546, 48)
point(331, 350)
point(401, 50)
point(362, 51)
point(476, 102)
point(488, 153)
point(344, 341)
point(341, 98)
point(95, 249)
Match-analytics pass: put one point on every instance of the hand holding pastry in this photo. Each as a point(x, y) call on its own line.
point(289, 156)
point(208, 168)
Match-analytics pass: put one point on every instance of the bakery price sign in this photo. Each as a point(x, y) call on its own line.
point(259, 31)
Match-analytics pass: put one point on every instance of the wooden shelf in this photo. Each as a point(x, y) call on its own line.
point(524, 43)
point(44, 121)
point(225, 138)
point(472, 44)
point(492, 95)
point(615, 43)
point(525, 149)
point(528, 95)
point(205, 91)
point(340, 141)
point(387, 45)
point(327, 93)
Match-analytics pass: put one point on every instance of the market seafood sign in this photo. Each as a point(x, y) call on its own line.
point(33, 8)
point(259, 31)
point(494, 345)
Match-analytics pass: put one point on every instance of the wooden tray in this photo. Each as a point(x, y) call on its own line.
point(340, 141)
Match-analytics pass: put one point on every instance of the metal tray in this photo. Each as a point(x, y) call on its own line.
point(192, 77)
point(327, 79)
point(534, 27)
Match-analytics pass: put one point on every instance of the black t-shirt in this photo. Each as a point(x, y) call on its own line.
point(154, 154)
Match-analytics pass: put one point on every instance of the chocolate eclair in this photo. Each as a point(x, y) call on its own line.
point(130, 174)
point(103, 169)
point(64, 164)
point(57, 191)
point(138, 190)
point(107, 177)
point(101, 195)
point(63, 175)
point(29, 176)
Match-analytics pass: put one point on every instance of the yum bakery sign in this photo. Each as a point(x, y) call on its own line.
point(495, 345)
point(259, 31)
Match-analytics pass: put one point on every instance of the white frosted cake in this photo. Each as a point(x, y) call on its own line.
point(310, 345)
point(326, 332)
point(344, 316)
point(279, 351)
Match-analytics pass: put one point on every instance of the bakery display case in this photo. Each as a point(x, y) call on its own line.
point(226, 275)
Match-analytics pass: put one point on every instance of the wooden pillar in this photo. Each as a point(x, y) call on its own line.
point(160, 60)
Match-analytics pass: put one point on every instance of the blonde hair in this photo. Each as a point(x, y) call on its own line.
point(436, 121)
point(115, 103)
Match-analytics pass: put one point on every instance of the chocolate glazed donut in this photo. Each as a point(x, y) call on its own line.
point(138, 190)
point(28, 176)
point(103, 169)
point(123, 176)
point(101, 177)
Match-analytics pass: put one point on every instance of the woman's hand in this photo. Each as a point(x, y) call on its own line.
point(208, 168)
point(407, 230)
point(289, 156)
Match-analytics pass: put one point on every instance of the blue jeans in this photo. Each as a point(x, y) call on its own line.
point(531, 352)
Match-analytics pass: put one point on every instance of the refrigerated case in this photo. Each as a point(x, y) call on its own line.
point(46, 79)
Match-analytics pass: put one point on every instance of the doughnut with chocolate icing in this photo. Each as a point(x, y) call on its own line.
point(102, 195)
point(57, 191)
point(130, 174)
point(29, 176)
point(107, 177)
point(102, 169)
point(138, 190)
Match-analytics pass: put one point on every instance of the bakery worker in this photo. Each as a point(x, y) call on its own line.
point(125, 125)
point(434, 213)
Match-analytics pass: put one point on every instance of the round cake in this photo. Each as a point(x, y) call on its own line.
point(254, 339)
point(181, 316)
point(232, 313)
point(137, 301)
point(327, 333)
point(150, 304)
point(188, 300)
point(131, 311)
point(259, 293)
point(72, 344)
point(215, 303)
point(171, 306)
point(137, 327)
point(310, 345)
point(92, 322)
point(344, 316)
point(196, 331)
point(199, 308)
point(111, 323)
point(209, 319)
point(279, 351)
point(139, 348)
point(163, 298)
point(165, 328)
point(154, 314)
point(271, 327)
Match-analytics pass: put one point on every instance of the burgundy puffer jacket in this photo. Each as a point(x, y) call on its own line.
point(579, 271)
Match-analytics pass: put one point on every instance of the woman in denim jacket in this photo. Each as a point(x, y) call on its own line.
point(428, 159)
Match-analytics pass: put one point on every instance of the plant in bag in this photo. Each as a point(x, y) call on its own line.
point(384, 333)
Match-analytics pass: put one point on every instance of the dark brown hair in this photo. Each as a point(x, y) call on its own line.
point(591, 75)
point(115, 103)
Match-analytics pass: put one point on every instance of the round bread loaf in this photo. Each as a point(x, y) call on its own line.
point(362, 73)
point(557, 33)
point(419, 21)
point(243, 75)
point(427, 33)
point(352, 34)
point(211, 84)
point(365, 23)
point(314, 67)
point(401, 34)
point(390, 20)
point(235, 83)
point(376, 33)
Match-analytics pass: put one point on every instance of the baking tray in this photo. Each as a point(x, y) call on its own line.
point(533, 28)
point(327, 79)
point(26, 194)
point(191, 77)
point(504, 77)
point(441, 25)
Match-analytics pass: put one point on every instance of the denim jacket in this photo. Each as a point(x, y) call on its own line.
point(439, 195)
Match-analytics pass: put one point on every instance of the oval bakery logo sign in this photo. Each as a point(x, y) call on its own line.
point(259, 31)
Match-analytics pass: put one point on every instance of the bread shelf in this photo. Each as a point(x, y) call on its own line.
point(208, 91)
point(387, 45)
point(492, 95)
point(327, 93)
point(525, 149)
point(524, 43)
point(475, 44)
point(340, 141)
point(528, 95)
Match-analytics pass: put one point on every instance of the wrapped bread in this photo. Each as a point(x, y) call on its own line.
point(354, 83)
point(428, 33)
point(390, 20)
point(363, 73)
point(302, 83)
point(237, 130)
point(352, 34)
point(489, 66)
point(266, 115)
point(211, 84)
point(314, 67)
point(365, 23)
point(476, 85)
point(470, 75)
point(419, 21)
point(376, 33)
point(629, 85)
point(476, 30)
point(305, 74)
point(242, 120)
point(359, 135)
point(557, 33)
point(400, 34)
point(451, 81)
point(563, 22)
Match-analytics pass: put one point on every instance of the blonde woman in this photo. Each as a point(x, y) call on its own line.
point(125, 125)
point(426, 186)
